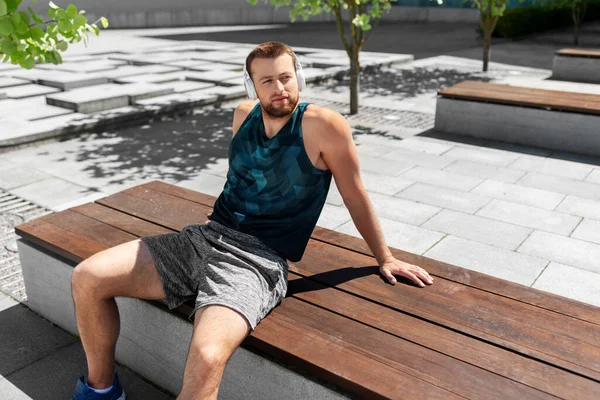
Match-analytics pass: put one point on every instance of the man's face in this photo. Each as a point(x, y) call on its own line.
point(276, 84)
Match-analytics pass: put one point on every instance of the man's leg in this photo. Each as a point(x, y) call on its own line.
point(218, 331)
point(124, 270)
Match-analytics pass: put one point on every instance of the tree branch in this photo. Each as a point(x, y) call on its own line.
point(337, 9)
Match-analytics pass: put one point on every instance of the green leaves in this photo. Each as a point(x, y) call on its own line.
point(25, 38)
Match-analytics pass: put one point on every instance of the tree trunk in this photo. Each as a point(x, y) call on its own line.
point(487, 44)
point(576, 23)
point(354, 80)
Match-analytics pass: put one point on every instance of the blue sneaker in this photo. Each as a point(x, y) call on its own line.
point(82, 392)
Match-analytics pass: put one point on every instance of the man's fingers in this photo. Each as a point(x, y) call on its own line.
point(415, 279)
point(389, 277)
point(421, 273)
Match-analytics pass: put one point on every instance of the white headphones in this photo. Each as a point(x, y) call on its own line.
point(251, 90)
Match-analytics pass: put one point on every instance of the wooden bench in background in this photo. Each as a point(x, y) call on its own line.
point(577, 65)
point(556, 120)
point(342, 331)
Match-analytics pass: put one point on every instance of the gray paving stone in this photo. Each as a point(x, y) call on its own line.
point(552, 166)
point(485, 171)
point(588, 230)
point(587, 190)
point(152, 78)
point(441, 178)
point(66, 81)
point(3, 96)
point(482, 155)
point(383, 184)
point(130, 70)
point(85, 66)
point(565, 250)
point(6, 302)
point(195, 97)
point(333, 216)
point(419, 158)
point(400, 235)
point(215, 76)
point(26, 337)
point(445, 198)
point(582, 207)
point(333, 196)
point(230, 57)
point(30, 109)
point(519, 194)
point(402, 210)
point(370, 149)
point(531, 217)
point(491, 260)
point(10, 391)
point(186, 63)
point(151, 58)
point(19, 92)
point(55, 376)
point(106, 97)
point(239, 80)
point(478, 229)
point(216, 66)
point(388, 167)
point(425, 146)
point(187, 86)
point(594, 176)
point(225, 93)
point(51, 192)
point(16, 176)
point(205, 183)
point(19, 131)
point(10, 82)
point(581, 285)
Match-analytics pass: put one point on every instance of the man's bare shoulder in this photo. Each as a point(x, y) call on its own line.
point(241, 112)
point(323, 117)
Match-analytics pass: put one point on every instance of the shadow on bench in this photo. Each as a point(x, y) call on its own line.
point(341, 331)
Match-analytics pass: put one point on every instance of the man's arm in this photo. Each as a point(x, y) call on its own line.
point(339, 153)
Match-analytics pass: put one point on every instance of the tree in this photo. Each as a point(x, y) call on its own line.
point(25, 42)
point(490, 11)
point(578, 9)
point(361, 14)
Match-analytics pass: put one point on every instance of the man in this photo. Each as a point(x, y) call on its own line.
point(281, 160)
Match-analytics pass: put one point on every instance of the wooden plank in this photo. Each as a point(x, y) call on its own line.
point(548, 342)
point(497, 360)
point(589, 53)
point(535, 98)
point(436, 268)
point(426, 335)
point(321, 355)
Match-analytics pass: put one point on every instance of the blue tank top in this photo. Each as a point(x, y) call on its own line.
point(273, 191)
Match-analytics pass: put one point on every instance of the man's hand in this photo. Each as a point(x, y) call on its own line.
point(392, 266)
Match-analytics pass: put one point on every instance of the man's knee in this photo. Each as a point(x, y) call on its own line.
point(211, 358)
point(87, 279)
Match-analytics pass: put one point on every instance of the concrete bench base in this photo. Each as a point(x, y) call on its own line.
point(576, 69)
point(154, 342)
point(553, 130)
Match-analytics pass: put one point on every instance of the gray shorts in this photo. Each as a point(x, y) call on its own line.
point(218, 265)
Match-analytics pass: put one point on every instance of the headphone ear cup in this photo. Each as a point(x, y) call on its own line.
point(301, 79)
point(250, 90)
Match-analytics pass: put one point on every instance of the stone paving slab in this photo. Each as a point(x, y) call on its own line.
point(205, 183)
point(10, 391)
point(485, 156)
point(561, 185)
point(441, 178)
point(420, 158)
point(6, 82)
point(56, 191)
point(531, 217)
point(215, 66)
point(400, 235)
point(31, 90)
point(18, 175)
point(575, 252)
point(581, 285)
point(187, 86)
point(594, 176)
point(402, 210)
point(478, 229)
point(552, 166)
point(84, 66)
point(491, 260)
point(25, 337)
point(106, 97)
point(486, 172)
point(579, 206)
point(3, 95)
point(385, 167)
point(519, 194)
point(30, 109)
point(186, 63)
point(130, 70)
point(588, 230)
point(446, 198)
point(333, 216)
point(214, 76)
point(384, 184)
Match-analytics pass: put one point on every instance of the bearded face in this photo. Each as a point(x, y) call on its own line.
point(276, 85)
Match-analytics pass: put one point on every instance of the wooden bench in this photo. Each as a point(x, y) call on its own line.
point(577, 65)
point(341, 331)
point(556, 120)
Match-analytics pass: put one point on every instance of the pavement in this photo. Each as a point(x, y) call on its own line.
point(524, 214)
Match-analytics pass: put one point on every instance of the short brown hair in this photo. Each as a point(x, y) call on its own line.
point(268, 50)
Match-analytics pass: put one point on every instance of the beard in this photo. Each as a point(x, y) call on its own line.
point(282, 110)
